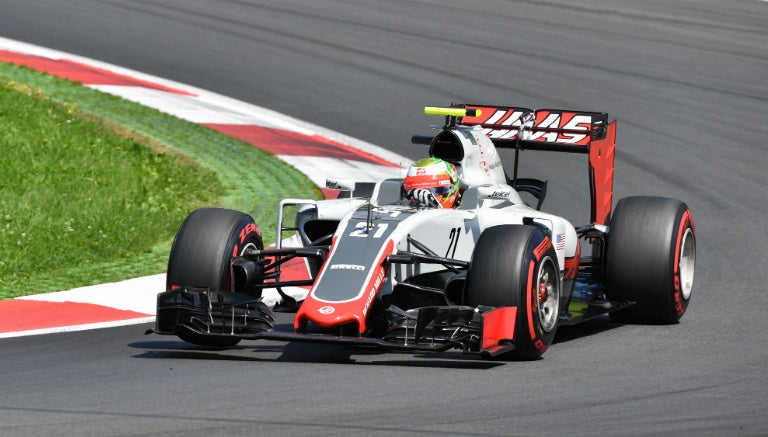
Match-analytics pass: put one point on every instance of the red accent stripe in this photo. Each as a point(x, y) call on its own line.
point(528, 303)
point(680, 231)
point(544, 246)
point(283, 142)
point(572, 263)
point(678, 295)
point(601, 164)
point(295, 269)
point(82, 73)
point(25, 315)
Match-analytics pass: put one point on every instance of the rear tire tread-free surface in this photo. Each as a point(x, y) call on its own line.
point(650, 259)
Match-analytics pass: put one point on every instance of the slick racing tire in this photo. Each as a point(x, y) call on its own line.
point(650, 259)
point(516, 265)
point(200, 256)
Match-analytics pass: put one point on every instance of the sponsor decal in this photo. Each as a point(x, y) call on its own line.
point(554, 121)
point(347, 267)
point(326, 310)
point(373, 290)
point(247, 230)
point(500, 194)
point(549, 126)
point(250, 227)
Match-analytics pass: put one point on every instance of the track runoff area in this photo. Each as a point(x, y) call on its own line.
point(313, 150)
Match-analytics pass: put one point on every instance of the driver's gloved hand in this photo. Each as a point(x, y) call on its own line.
point(424, 197)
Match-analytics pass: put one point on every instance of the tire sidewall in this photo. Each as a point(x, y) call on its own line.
point(679, 300)
point(245, 235)
point(530, 338)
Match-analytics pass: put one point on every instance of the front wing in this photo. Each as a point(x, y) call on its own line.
point(484, 330)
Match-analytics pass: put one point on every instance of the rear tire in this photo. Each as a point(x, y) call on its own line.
point(201, 253)
point(515, 265)
point(650, 259)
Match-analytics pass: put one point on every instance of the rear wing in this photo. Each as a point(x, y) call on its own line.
point(550, 130)
point(543, 129)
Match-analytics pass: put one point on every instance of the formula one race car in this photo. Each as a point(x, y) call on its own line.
point(490, 275)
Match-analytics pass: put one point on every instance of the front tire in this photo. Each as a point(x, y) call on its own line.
point(200, 256)
point(650, 259)
point(515, 265)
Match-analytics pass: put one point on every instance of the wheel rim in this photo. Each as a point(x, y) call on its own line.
point(250, 245)
point(547, 294)
point(687, 263)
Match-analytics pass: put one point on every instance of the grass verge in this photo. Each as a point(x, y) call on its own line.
point(94, 187)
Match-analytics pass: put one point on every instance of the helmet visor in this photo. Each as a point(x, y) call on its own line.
point(439, 191)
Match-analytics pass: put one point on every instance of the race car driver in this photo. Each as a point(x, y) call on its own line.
point(431, 182)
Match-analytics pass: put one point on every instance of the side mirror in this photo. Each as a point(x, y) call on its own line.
point(340, 184)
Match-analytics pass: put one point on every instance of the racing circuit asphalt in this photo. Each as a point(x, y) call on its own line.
point(687, 82)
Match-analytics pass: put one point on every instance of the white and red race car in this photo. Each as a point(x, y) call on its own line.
point(493, 275)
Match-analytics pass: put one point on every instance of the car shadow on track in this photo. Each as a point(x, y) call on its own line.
point(586, 329)
point(170, 348)
point(308, 353)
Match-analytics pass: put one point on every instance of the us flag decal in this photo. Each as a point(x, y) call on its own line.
point(560, 242)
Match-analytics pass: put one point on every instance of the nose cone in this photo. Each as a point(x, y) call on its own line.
point(344, 291)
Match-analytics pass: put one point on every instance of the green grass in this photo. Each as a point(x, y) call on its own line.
point(94, 187)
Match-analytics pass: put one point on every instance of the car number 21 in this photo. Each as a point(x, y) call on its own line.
point(362, 230)
point(454, 237)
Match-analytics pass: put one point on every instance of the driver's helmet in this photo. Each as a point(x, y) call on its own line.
point(435, 176)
